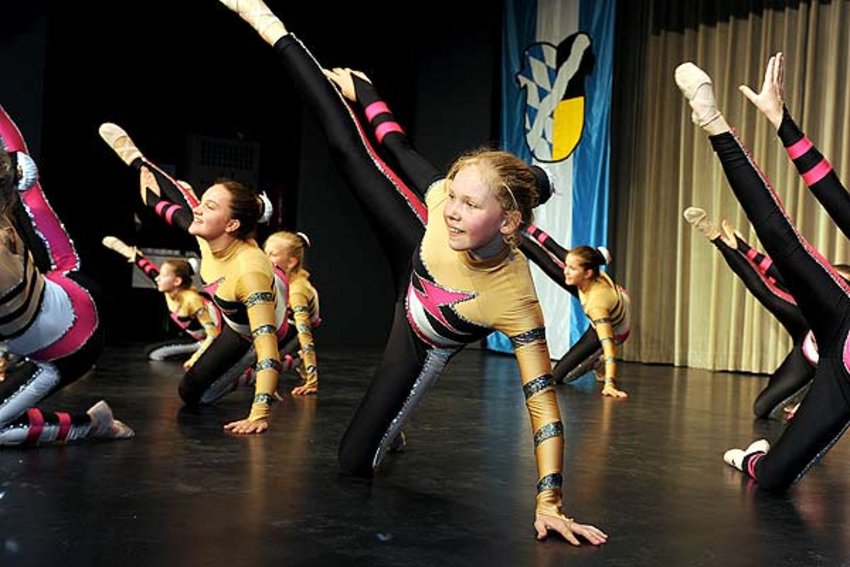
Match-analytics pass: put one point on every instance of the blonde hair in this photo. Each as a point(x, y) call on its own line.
point(296, 243)
point(512, 181)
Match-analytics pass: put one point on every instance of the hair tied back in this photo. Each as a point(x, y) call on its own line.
point(268, 208)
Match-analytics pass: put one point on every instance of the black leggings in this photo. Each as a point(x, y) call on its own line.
point(393, 209)
point(823, 298)
point(795, 371)
point(220, 358)
point(395, 212)
point(579, 359)
point(407, 369)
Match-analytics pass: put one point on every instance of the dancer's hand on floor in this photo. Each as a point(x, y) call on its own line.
point(304, 390)
point(611, 391)
point(246, 426)
point(568, 529)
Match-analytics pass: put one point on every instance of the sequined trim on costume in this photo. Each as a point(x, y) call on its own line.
point(264, 330)
point(537, 385)
point(548, 431)
point(528, 337)
point(259, 297)
point(266, 399)
point(550, 482)
point(267, 363)
point(435, 361)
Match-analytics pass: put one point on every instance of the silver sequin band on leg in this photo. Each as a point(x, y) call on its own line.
point(435, 361)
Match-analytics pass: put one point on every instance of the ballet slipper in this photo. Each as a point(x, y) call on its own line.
point(696, 86)
point(699, 220)
point(259, 17)
point(105, 426)
point(117, 245)
point(120, 142)
point(735, 457)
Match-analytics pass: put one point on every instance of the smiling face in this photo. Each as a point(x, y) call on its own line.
point(280, 253)
point(212, 215)
point(575, 272)
point(473, 214)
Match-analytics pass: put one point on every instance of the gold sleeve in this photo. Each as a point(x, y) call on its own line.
point(299, 303)
point(200, 311)
point(535, 368)
point(256, 292)
point(600, 318)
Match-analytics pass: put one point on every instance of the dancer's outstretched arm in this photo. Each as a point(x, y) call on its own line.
point(815, 170)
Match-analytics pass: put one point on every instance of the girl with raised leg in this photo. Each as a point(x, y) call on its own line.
point(465, 279)
point(250, 293)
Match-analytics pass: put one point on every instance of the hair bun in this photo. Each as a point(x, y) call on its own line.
point(26, 172)
point(268, 208)
point(304, 238)
point(543, 182)
point(606, 255)
point(194, 263)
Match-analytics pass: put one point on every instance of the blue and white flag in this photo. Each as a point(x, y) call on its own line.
point(556, 98)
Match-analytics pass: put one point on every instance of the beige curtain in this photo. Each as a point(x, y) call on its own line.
point(689, 308)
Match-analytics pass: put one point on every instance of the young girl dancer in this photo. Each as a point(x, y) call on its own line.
point(249, 292)
point(464, 281)
point(541, 248)
point(192, 312)
point(286, 251)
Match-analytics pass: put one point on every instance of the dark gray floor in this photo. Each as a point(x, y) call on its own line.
point(646, 470)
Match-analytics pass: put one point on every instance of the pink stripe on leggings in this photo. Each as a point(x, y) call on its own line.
point(64, 425)
point(799, 147)
point(817, 173)
point(385, 128)
point(375, 109)
point(36, 420)
point(751, 464)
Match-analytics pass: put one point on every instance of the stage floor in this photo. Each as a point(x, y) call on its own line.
point(647, 470)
